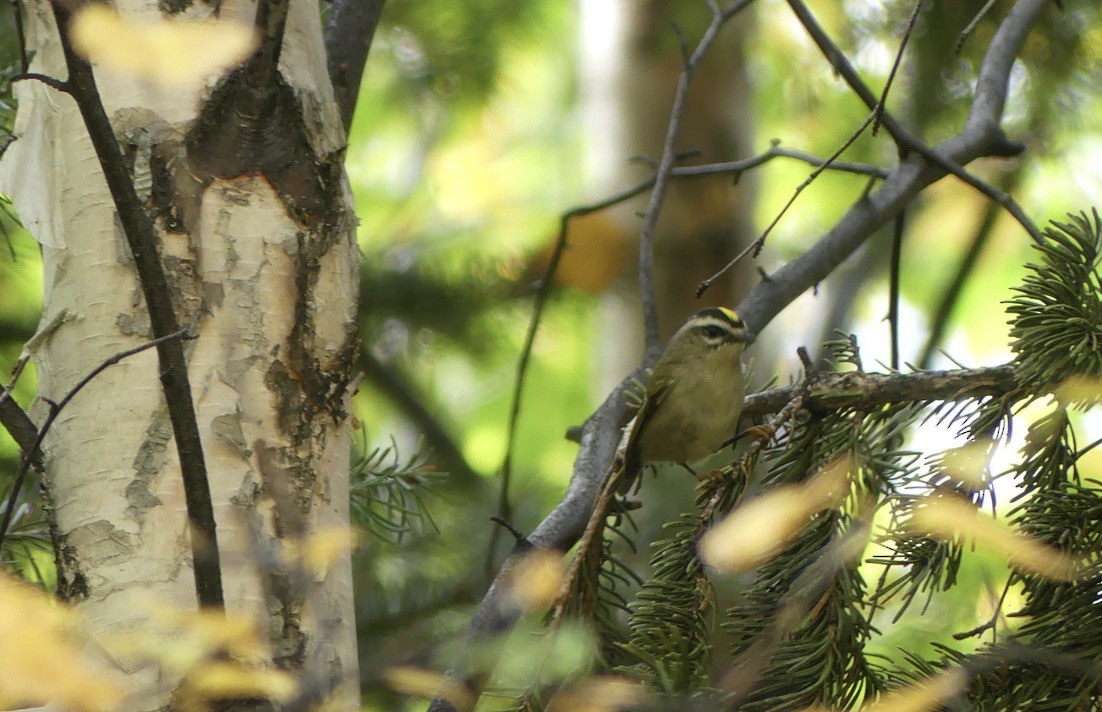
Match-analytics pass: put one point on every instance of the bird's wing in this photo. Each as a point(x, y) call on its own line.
point(633, 462)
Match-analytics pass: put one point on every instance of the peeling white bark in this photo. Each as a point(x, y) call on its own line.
point(112, 472)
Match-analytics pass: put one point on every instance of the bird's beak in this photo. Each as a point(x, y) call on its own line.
point(746, 337)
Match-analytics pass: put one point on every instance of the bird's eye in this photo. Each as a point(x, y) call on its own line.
point(713, 332)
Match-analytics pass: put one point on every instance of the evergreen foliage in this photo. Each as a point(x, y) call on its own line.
point(799, 632)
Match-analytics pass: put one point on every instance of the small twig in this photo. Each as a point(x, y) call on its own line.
point(15, 374)
point(979, 137)
point(1083, 451)
point(992, 623)
point(999, 145)
point(20, 35)
point(520, 537)
point(55, 410)
point(971, 27)
point(755, 247)
point(665, 166)
point(907, 33)
point(950, 294)
point(46, 79)
point(893, 289)
point(806, 360)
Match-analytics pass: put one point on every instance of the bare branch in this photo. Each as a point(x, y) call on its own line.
point(55, 410)
point(16, 421)
point(986, 135)
point(46, 79)
point(855, 389)
point(665, 166)
point(141, 238)
point(348, 34)
point(767, 299)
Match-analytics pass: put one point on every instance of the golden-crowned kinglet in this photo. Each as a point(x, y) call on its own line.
point(694, 397)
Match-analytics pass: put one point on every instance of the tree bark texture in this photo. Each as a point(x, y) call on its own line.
point(257, 235)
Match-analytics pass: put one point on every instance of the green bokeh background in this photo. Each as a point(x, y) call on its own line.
point(466, 148)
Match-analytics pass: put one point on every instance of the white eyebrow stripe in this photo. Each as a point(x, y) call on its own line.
point(707, 321)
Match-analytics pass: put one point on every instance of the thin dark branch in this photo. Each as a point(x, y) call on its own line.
point(651, 338)
point(873, 119)
point(868, 214)
point(950, 294)
point(46, 79)
point(55, 410)
point(395, 386)
point(16, 421)
point(987, 106)
point(882, 103)
point(1083, 451)
point(348, 34)
point(270, 22)
point(20, 35)
point(16, 372)
point(561, 528)
point(967, 31)
point(755, 247)
point(865, 391)
point(894, 265)
point(141, 237)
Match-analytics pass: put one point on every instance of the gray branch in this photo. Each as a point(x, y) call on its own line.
point(980, 137)
point(833, 391)
point(348, 34)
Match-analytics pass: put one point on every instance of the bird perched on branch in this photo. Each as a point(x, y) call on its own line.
point(694, 397)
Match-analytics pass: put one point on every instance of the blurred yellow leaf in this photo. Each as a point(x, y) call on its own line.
point(535, 581)
point(599, 694)
point(927, 695)
point(322, 549)
point(969, 463)
point(172, 52)
point(227, 680)
point(948, 517)
point(426, 683)
point(755, 531)
point(179, 639)
point(1082, 391)
point(38, 662)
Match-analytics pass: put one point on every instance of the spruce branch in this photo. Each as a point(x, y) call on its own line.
point(866, 391)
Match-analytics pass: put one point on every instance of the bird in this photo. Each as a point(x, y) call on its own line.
point(693, 400)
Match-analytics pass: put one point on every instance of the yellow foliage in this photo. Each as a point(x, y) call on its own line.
point(949, 517)
point(426, 683)
point(168, 52)
point(39, 662)
point(534, 583)
point(755, 531)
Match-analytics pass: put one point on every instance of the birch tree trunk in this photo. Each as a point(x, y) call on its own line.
point(258, 240)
